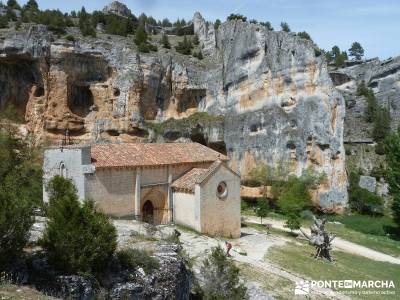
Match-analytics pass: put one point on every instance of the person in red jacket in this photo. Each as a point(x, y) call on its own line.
point(228, 248)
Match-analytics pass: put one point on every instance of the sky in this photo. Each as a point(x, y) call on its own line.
point(373, 23)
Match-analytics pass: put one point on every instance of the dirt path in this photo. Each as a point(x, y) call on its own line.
point(338, 243)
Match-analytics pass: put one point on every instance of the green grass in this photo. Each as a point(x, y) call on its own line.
point(379, 243)
point(298, 259)
point(366, 224)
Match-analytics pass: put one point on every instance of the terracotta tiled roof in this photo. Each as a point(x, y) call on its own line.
point(188, 181)
point(141, 154)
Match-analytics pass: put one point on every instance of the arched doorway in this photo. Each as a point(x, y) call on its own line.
point(148, 212)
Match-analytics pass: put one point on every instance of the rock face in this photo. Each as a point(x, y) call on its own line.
point(383, 77)
point(117, 8)
point(272, 88)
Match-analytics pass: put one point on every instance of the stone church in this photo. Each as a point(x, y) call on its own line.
point(183, 183)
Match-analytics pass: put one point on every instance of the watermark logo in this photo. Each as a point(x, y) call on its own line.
point(348, 287)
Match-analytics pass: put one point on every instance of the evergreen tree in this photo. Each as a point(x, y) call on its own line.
point(285, 27)
point(381, 124)
point(165, 41)
point(356, 51)
point(140, 35)
point(267, 25)
point(85, 24)
point(184, 47)
point(166, 23)
point(221, 277)
point(262, 208)
point(217, 24)
point(392, 146)
point(77, 238)
point(32, 5)
point(20, 191)
point(13, 4)
point(234, 17)
point(196, 40)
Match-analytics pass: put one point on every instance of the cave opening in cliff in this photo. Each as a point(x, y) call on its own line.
point(80, 100)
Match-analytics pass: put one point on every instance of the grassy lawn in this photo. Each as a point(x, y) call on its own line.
point(379, 243)
point(272, 284)
point(299, 260)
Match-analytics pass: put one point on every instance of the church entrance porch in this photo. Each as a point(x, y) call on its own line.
point(154, 206)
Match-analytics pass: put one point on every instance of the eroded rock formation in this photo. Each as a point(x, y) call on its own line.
point(272, 88)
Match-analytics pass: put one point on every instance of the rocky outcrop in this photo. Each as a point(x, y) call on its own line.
point(117, 8)
point(272, 88)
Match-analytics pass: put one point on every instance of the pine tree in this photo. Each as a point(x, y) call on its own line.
point(85, 24)
point(217, 24)
point(140, 35)
point(392, 146)
point(165, 41)
point(262, 208)
point(356, 51)
point(285, 27)
point(267, 25)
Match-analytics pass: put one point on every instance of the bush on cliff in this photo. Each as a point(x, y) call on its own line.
point(77, 238)
point(19, 179)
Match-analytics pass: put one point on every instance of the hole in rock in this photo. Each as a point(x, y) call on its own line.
point(39, 92)
point(80, 100)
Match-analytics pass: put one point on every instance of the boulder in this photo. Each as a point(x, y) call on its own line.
point(368, 183)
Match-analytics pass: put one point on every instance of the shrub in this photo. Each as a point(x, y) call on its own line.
point(304, 35)
point(221, 277)
point(144, 48)
point(134, 258)
point(70, 38)
point(198, 55)
point(76, 238)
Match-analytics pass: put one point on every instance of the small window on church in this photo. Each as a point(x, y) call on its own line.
point(222, 190)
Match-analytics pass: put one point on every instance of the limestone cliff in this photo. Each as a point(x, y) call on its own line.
point(273, 89)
